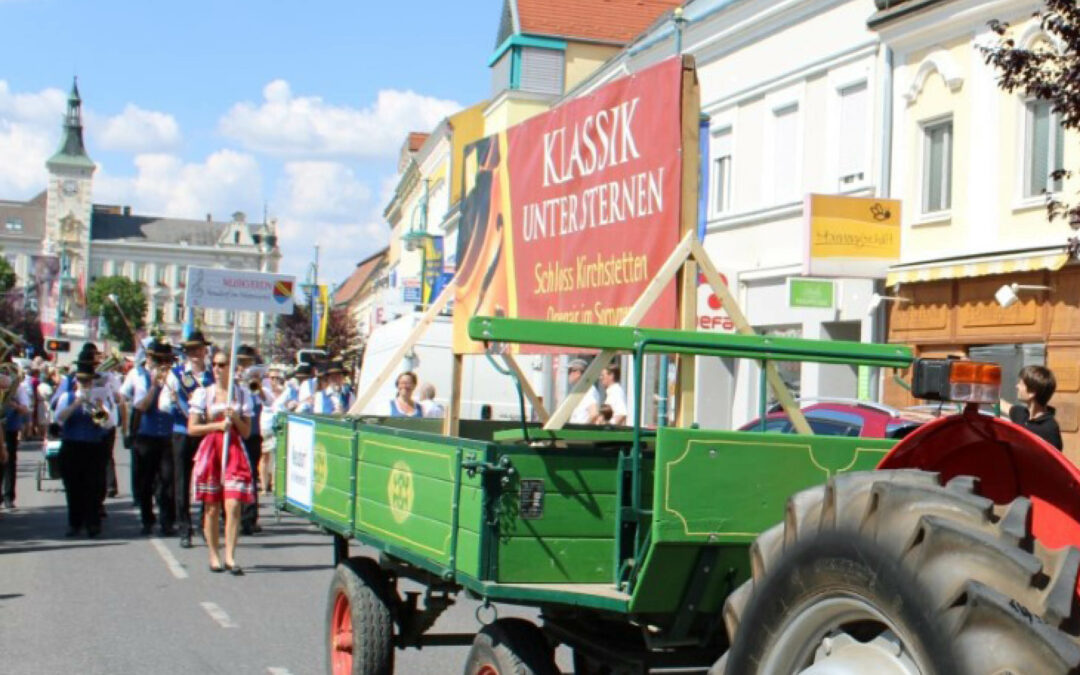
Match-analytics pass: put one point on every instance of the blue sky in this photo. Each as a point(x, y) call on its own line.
point(195, 107)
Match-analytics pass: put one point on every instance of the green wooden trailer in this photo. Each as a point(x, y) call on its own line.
point(628, 540)
point(639, 546)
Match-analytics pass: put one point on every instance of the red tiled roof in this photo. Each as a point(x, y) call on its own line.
point(617, 21)
point(347, 291)
point(416, 140)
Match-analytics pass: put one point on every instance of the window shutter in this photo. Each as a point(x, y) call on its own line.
point(853, 126)
point(784, 153)
point(542, 70)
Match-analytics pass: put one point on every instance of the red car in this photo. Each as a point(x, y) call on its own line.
point(844, 417)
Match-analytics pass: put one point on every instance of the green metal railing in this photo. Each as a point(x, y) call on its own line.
point(641, 341)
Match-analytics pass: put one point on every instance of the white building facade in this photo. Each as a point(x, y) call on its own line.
point(94, 240)
point(795, 93)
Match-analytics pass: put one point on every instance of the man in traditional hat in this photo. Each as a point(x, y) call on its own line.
point(290, 398)
point(153, 438)
point(181, 384)
point(246, 376)
point(89, 353)
point(589, 406)
point(82, 452)
point(332, 399)
point(17, 409)
point(315, 386)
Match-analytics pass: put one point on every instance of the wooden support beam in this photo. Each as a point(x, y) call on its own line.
point(453, 411)
point(742, 325)
point(526, 388)
point(637, 312)
point(688, 225)
point(414, 337)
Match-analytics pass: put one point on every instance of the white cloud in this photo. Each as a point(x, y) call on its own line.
point(29, 132)
point(322, 190)
point(325, 203)
point(307, 126)
point(137, 130)
point(227, 181)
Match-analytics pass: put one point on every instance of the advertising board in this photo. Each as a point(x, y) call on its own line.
point(851, 236)
point(300, 455)
point(217, 288)
point(569, 215)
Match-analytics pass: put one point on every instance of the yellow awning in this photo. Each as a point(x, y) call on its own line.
point(979, 266)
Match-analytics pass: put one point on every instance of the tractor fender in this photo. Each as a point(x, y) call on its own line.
point(1009, 462)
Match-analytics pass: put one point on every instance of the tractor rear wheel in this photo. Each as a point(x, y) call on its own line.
point(890, 572)
point(359, 623)
point(511, 647)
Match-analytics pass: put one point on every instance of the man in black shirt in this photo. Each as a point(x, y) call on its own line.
point(1034, 388)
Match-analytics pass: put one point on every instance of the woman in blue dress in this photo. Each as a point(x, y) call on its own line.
point(403, 404)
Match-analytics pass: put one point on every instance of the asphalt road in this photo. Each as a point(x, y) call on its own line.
point(127, 604)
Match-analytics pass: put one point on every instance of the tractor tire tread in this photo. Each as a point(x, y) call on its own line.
point(984, 573)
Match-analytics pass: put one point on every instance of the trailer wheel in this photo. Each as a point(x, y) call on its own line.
point(891, 572)
point(360, 628)
point(511, 647)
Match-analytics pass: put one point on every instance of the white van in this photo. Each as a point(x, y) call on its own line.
point(432, 360)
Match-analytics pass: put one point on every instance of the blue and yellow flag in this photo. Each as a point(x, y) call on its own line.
point(320, 314)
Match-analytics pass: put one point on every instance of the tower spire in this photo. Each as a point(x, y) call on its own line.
point(72, 151)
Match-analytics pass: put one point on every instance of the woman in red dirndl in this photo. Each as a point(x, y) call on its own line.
point(211, 415)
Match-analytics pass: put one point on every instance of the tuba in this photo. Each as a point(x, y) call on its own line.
point(110, 363)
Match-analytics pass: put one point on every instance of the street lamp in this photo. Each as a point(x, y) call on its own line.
point(1008, 294)
point(418, 235)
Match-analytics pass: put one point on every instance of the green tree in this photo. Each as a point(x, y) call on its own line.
point(7, 275)
point(1048, 70)
point(294, 333)
point(132, 300)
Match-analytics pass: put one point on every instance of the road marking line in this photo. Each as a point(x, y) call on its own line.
point(218, 614)
point(278, 671)
point(171, 562)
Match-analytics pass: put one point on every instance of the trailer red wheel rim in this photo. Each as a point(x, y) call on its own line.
point(341, 636)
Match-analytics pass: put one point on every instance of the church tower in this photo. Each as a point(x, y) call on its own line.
point(68, 205)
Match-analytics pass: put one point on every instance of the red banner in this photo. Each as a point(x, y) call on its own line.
point(570, 214)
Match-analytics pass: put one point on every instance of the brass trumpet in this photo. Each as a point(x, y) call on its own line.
point(99, 414)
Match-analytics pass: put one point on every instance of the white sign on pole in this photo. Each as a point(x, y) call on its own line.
point(217, 288)
point(300, 455)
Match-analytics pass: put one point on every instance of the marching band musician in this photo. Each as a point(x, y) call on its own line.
point(153, 438)
point(332, 398)
point(16, 413)
point(181, 384)
point(290, 398)
point(250, 376)
point(110, 380)
point(305, 396)
point(83, 413)
point(274, 392)
point(315, 385)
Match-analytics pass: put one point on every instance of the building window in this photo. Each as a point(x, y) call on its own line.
point(163, 275)
point(785, 138)
point(722, 171)
point(13, 224)
point(853, 127)
point(937, 166)
point(1044, 148)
